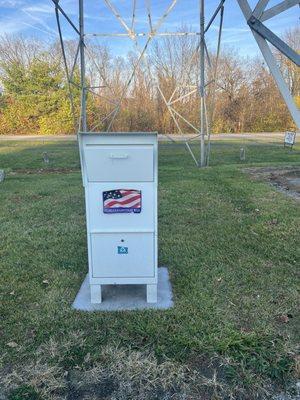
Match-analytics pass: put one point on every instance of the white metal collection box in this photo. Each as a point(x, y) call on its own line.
point(119, 173)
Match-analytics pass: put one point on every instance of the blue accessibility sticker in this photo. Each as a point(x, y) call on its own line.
point(122, 250)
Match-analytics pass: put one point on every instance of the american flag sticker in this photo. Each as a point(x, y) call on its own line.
point(122, 201)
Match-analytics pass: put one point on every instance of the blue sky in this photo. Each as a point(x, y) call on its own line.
point(36, 18)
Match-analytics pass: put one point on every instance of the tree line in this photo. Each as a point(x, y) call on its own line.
point(241, 96)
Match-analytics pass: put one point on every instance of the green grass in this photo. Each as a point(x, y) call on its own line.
point(233, 273)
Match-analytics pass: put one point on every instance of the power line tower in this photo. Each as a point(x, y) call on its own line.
point(264, 36)
point(255, 18)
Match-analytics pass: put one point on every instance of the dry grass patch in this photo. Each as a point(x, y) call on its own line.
point(121, 374)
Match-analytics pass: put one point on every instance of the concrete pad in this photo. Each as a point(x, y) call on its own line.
point(126, 297)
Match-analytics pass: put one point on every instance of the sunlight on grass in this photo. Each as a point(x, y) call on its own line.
point(234, 277)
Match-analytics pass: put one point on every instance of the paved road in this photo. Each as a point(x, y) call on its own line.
point(269, 136)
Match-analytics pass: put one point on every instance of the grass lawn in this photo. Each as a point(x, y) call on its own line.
point(231, 244)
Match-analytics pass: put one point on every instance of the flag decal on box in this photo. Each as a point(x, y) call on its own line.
point(122, 201)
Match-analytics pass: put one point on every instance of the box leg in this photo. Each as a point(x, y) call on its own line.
point(96, 296)
point(152, 293)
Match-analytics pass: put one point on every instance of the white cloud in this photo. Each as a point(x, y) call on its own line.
point(39, 21)
point(231, 30)
point(39, 29)
point(8, 27)
point(40, 8)
point(24, 15)
point(11, 3)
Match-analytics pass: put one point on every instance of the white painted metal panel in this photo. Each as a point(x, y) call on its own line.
point(110, 163)
point(101, 222)
point(137, 260)
point(116, 163)
point(118, 138)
